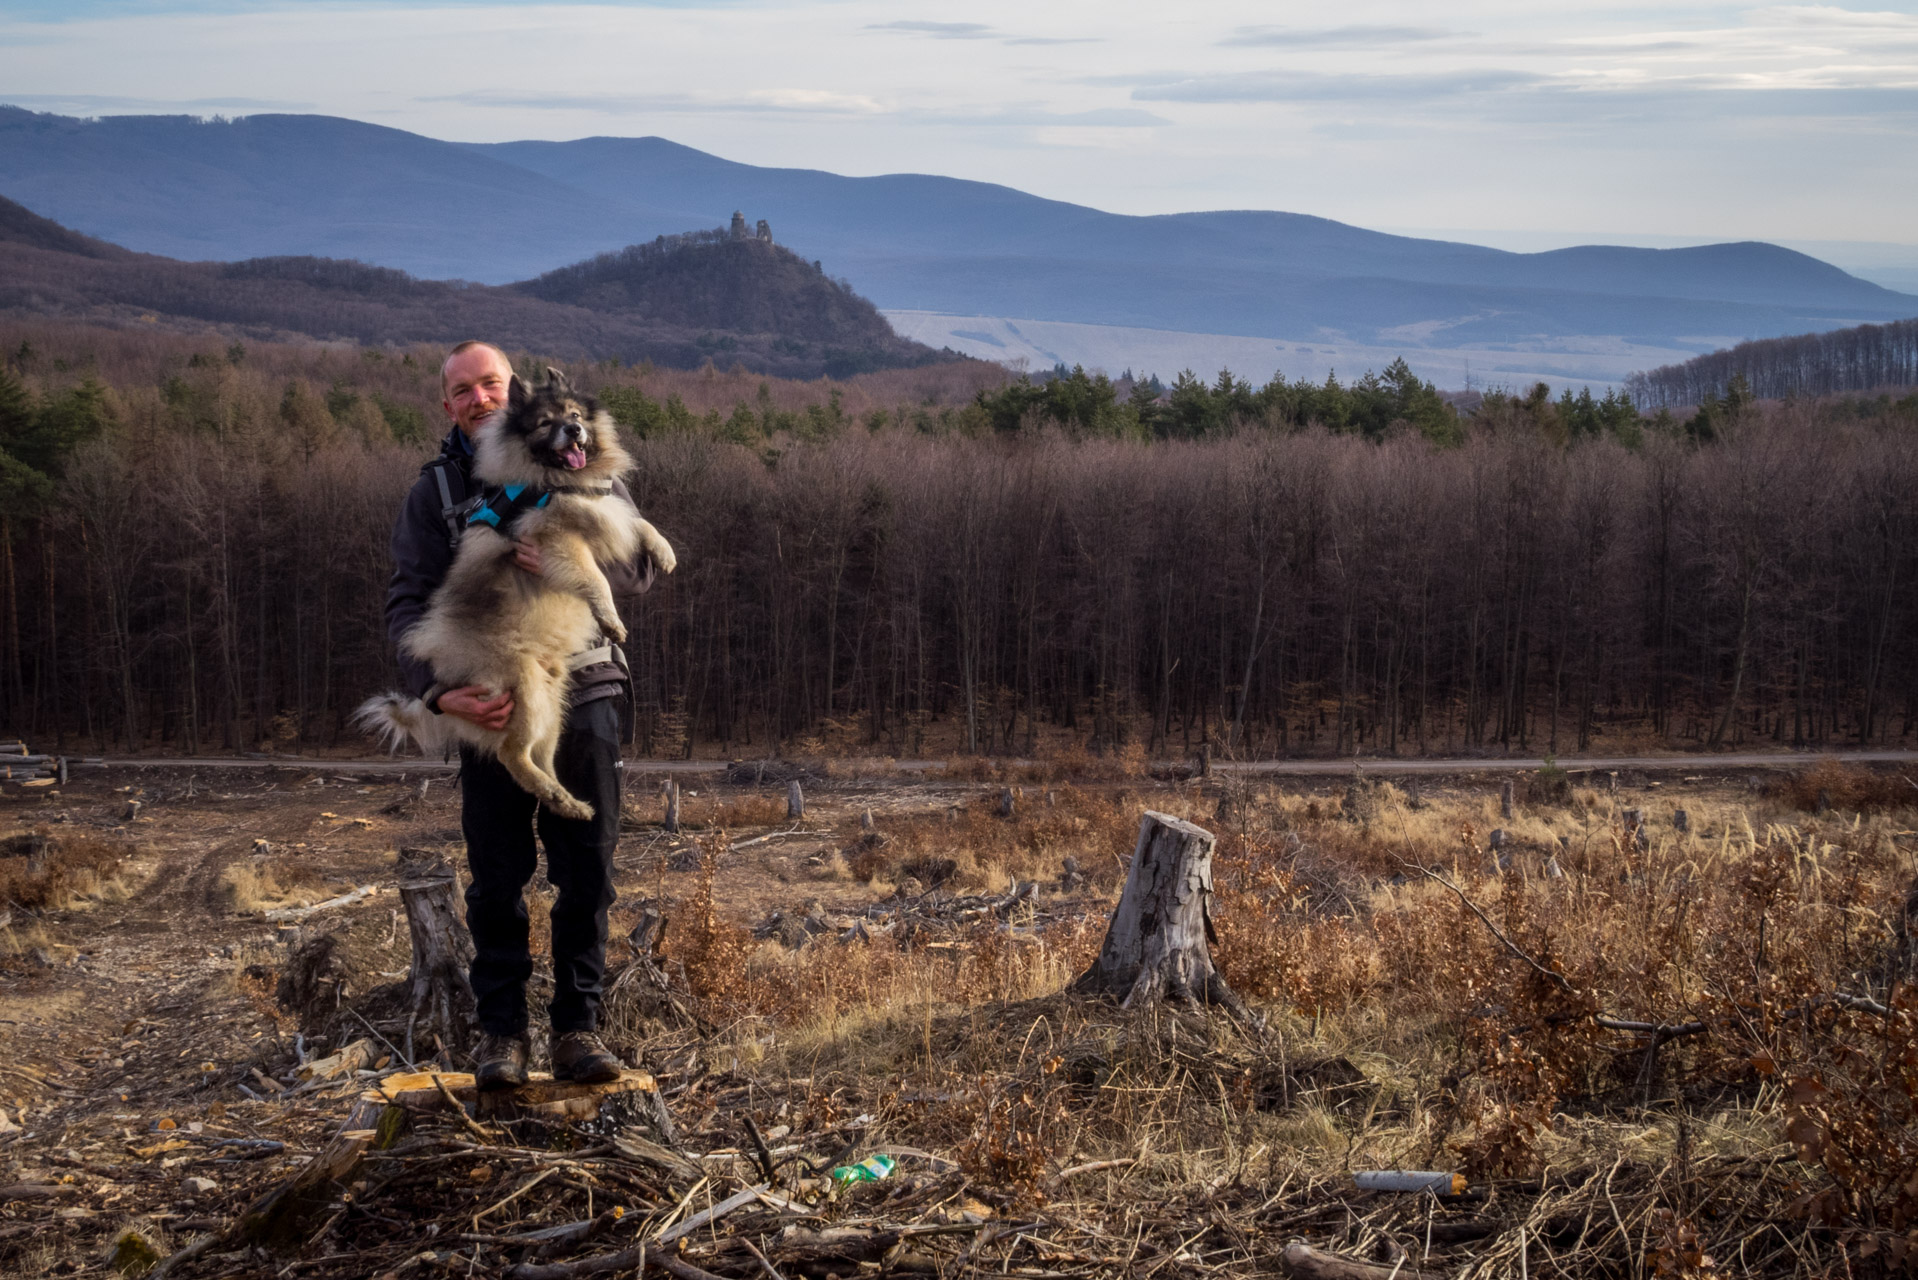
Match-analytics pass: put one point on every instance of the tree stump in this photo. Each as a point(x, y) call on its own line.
point(1505, 799)
point(672, 806)
point(439, 995)
point(1006, 803)
point(795, 801)
point(1157, 945)
point(1681, 821)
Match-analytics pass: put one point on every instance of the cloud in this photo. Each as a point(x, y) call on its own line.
point(758, 101)
point(1039, 117)
point(1819, 15)
point(1311, 86)
point(974, 31)
point(1352, 36)
point(937, 30)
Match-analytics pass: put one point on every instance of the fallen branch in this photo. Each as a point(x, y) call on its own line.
point(737, 1200)
point(1094, 1167)
point(633, 1259)
point(773, 835)
point(360, 894)
point(1313, 1264)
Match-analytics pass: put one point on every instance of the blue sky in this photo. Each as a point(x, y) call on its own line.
point(1491, 118)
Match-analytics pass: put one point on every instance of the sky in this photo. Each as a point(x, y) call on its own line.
point(1522, 123)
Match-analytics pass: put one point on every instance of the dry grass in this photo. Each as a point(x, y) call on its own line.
point(1776, 1137)
point(250, 887)
point(42, 872)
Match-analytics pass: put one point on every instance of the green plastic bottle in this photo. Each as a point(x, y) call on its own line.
point(871, 1169)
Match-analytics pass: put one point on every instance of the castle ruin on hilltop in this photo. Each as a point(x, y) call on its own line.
point(764, 233)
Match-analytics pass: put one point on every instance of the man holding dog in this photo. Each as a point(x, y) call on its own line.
point(499, 818)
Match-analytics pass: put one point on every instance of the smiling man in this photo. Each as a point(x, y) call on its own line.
point(499, 818)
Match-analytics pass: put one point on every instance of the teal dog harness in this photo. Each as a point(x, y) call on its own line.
point(502, 508)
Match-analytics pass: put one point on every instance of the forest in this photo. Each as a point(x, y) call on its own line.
point(1867, 358)
point(193, 553)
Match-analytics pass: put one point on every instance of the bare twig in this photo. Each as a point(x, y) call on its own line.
point(1564, 983)
point(471, 1125)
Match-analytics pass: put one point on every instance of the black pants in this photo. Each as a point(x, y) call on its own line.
point(499, 819)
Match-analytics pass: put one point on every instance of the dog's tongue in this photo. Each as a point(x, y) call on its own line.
point(574, 457)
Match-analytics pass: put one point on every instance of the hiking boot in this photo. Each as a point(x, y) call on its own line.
point(502, 1061)
point(583, 1057)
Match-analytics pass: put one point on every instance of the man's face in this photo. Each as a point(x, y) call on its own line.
point(474, 384)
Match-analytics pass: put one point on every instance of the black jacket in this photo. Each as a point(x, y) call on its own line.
point(423, 552)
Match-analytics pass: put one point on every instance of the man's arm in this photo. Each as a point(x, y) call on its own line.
point(420, 561)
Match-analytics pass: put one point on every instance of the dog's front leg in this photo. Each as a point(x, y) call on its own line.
point(569, 566)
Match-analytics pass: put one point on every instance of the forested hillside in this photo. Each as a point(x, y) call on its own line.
point(1870, 357)
point(195, 536)
point(680, 301)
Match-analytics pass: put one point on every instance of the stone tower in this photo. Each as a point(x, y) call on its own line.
point(765, 231)
point(739, 225)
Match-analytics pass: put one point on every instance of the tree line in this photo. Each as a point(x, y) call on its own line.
point(204, 565)
point(1867, 358)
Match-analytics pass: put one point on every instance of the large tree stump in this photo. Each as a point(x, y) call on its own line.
point(1157, 946)
point(439, 996)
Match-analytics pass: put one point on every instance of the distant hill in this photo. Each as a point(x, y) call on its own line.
point(1869, 357)
point(679, 301)
point(282, 184)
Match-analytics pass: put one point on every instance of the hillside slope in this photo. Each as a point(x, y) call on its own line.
point(766, 310)
point(278, 185)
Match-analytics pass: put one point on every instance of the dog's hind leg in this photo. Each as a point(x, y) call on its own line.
point(532, 736)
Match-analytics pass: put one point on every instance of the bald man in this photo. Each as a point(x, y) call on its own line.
point(498, 817)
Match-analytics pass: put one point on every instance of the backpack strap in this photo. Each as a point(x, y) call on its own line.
point(453, 513)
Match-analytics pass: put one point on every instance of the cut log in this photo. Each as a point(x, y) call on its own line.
point(795, 801)
point(1157, 945)
point(360, 1054)
point(672, 806)
point(439, 995)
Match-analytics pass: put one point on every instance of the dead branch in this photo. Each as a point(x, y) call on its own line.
point(360, 894)
point(1313, 1264)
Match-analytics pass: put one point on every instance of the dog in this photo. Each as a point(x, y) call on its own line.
point(547, 458)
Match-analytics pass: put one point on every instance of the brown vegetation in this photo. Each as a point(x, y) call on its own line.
point(867, 572)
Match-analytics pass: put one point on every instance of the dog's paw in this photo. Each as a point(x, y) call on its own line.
point(657, 548)
point(615, 630)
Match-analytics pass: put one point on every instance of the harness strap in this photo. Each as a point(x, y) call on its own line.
point(450, 511)
point(608, 652)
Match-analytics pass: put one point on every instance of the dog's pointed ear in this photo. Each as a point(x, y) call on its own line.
point(516, 393)
point(557, 381)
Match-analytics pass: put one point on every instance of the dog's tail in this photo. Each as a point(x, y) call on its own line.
point(396, 718)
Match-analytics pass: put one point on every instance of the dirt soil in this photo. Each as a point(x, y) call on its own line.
point(148, 1074)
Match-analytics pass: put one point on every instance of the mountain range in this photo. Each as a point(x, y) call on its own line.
point(275, 185)
point(724, 295)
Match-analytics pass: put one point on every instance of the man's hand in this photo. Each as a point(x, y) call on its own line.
point(526, 556)
point(476, 704)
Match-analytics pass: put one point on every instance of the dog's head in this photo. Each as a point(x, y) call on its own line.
point(551, 436)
